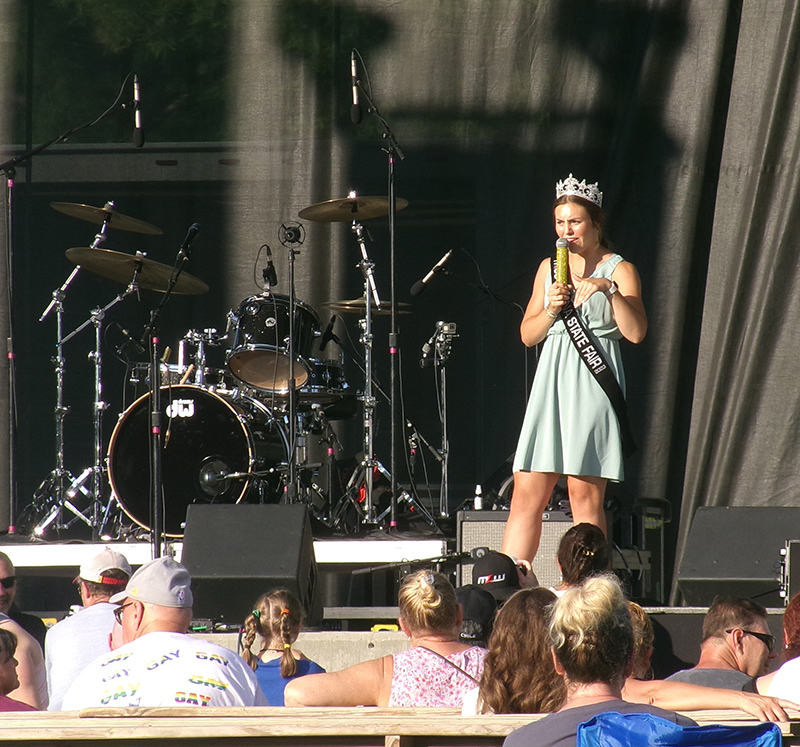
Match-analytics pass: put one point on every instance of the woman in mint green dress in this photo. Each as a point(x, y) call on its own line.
point(570, 427)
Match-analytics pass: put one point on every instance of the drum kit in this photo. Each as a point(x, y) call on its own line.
point(231, 433)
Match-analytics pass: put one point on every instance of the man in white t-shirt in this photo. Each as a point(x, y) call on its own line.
point(83, 636)
point(159, 664)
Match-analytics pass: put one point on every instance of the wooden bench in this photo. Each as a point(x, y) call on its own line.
point(293, 727)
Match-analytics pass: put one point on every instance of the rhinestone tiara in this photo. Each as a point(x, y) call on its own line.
point(571, 186)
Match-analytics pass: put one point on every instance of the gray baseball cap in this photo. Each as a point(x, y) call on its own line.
point(162, 581)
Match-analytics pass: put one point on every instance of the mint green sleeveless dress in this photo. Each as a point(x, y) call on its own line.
point(570, 427)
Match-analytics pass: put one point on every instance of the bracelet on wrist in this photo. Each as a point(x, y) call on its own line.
point(550, 313)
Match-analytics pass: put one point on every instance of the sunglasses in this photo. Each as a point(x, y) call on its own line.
point(119, 612)
point(8, 582)
point(767, 639)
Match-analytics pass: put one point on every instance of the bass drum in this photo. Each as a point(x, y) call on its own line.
point(206, 437)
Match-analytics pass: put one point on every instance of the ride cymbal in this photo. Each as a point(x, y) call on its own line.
point(108, 214)
point(351, 208)
point(121, 268)
point(357, 306)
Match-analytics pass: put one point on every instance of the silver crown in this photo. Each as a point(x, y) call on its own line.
point(571, 186)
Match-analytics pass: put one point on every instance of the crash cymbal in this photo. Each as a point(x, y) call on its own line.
point(351, 208)
point(121, 268)
point(99, 216)
point(357, 306)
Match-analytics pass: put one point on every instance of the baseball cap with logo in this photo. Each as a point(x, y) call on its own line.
point(497, 573)
point(94, 569)
point(162, 581)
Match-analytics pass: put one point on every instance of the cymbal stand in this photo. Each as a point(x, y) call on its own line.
point(368, 463)
point(60, 475)
point(96, 356)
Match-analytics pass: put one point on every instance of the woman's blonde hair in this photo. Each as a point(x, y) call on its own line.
point(276, 617)
point(591, 633)
point(428, 601)
point(643, 637)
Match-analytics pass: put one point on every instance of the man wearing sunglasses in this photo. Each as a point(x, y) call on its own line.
point(8, 590)
point(736, 648)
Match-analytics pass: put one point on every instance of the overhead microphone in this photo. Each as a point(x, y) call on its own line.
point(355, 109)
point(138, 132)
point(562, 261)
point(419, 286)
point(194, 229)
point(268, 273)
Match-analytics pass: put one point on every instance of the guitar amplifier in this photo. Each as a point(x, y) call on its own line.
point(485, 529)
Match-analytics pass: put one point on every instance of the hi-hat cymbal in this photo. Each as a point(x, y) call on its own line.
point(357, 306)
point(351, 208)
point(103, 214)
point(121, 268)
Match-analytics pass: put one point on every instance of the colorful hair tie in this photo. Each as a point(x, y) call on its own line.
point(287, 645)
point(285, 611)
point(256, 614)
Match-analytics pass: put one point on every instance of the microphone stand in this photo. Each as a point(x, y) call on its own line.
point(393, 152)
point(8, 168)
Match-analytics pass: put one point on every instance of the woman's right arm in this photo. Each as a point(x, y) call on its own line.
point(367, 683)
point(537, 321)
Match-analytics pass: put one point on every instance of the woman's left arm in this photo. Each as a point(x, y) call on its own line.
point(626, 303)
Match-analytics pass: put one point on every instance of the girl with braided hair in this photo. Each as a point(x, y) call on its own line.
point(276, 620)
point(583, 550)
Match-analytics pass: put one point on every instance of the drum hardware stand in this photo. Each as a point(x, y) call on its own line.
point(60, 475)
point(393, 152)
point(440, 344)
point(365, 469)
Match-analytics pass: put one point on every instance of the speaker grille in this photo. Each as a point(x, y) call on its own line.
point(485, 529)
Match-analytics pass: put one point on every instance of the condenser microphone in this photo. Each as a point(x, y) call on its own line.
point(269, 273)
point(419, 286)
point(138, 132)
point(327, 335)
point(562, 261)
point(194, 229)
point(355, 109)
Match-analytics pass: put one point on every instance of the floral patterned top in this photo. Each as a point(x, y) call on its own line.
point(423, 678)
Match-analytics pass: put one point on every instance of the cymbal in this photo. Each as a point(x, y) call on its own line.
point(99, 215)
point(357, 306)
point(121, 267)
point(351, 208)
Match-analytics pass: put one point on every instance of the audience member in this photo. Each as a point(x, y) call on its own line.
point(500, 575)
point(8, 589)
point(643, 637)
point(591, 636)
point(519, 676)
point(583, 550)
point(8, 673)
point(478, 608)
point(159, 664)
point(83, 636)
point(736, 646)
point(276, 620)
point(30, 666)
point(785, 682)
point(436, 671)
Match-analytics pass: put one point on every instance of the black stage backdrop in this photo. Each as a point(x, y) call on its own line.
point(685, 111)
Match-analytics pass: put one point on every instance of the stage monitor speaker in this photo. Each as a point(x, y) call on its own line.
point(736, 551)
point(485, 529)
point(236, 553)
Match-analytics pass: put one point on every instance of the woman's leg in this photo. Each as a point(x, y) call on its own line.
point(586, 494)
point(532, 491)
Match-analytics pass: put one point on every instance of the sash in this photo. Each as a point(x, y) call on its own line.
point(592, 355)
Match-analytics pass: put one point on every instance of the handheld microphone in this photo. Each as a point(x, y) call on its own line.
point(355, 109)
point(138, 132)
point(194, 229)
point(562, 261)
point(327, 335)
point(419, 286)
point(269, 274)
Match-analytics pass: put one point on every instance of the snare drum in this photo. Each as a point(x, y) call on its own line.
point(206, 437)
point(260, 353)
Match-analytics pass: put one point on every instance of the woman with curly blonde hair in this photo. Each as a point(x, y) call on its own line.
point(276, 620)
point(436, 671)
